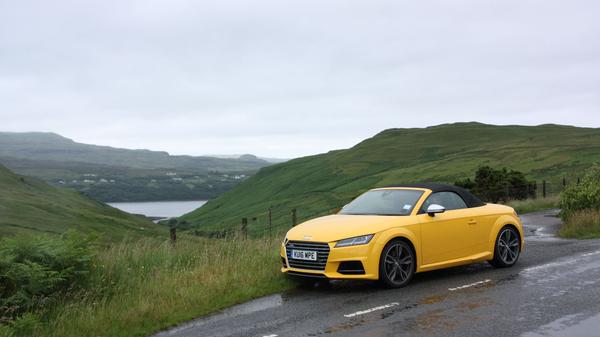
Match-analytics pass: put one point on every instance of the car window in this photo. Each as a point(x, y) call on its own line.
point(383, 202)
point(449, 200)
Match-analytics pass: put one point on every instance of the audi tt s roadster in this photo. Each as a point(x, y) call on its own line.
point(389, 234)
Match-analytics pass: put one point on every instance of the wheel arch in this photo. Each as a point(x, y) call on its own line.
point(501, 222)
point(398, 234)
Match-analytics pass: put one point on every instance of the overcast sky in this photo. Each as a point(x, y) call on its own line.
point(290, 78)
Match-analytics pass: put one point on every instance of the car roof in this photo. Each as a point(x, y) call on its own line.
point(469, 198)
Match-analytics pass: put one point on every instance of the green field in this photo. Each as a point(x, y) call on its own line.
point(28, 205)
point(320, 184)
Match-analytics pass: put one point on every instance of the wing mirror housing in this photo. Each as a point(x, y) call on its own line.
point(433, 209)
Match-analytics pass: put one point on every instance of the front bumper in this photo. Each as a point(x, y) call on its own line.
point(365, 254)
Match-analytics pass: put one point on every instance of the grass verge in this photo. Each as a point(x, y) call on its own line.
point(533, 205)
point(138, 288)
point(584, 224)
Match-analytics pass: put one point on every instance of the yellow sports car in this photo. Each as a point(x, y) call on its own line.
point(391, 233)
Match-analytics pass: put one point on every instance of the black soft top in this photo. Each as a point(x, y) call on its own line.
point(470, 199)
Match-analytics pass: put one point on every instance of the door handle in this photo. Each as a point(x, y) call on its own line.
point(472, 222)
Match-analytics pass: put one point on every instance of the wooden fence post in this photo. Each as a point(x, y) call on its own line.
point(564, 182)
point(245, 227)
point(173, 232)
point(544, 189)
point(270, 222)
point(294, 219)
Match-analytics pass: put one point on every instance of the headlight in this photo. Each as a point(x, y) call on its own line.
point(355, 241)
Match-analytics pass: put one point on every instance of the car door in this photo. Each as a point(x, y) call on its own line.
point(449, 235)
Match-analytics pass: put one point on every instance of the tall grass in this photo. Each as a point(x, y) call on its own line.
point(532, 205)
point(138, 288)
point(583, 224)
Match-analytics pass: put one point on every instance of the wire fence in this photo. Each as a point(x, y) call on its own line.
point(275, 221)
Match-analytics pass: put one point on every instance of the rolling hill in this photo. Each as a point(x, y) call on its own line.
point(319, 184)
point(29, 205)
point(112, 174)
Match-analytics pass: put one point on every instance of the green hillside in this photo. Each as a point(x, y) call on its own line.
point(319, 184)
point(111, 174)
point(28, 205)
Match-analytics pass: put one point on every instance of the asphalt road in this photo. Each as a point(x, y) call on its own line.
point(554, 290)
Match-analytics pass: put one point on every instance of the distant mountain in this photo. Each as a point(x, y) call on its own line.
point(319, 184)
point(113, 174)
point(50, 146)
point(28, 205)
point(238, 156)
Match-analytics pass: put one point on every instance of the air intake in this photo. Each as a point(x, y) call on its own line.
point(351, 268)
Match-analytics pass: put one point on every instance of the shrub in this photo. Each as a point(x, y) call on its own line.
point(6, 331)
point(585, 195)
point(34, 270)
point(494, 185)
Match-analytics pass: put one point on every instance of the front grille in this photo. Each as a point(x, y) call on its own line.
point(321, 248)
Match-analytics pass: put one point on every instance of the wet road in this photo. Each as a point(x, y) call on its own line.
point(554, 290)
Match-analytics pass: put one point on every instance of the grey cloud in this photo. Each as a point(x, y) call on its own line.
point(290, 78)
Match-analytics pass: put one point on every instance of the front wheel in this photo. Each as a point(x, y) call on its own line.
point(397, 264)
point(507, 248)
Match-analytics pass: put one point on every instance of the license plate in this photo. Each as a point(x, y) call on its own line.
point(310, 255)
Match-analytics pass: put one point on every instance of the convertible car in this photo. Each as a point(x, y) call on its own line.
point(389, 234)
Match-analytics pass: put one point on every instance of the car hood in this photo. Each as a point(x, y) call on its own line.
point(336, 227)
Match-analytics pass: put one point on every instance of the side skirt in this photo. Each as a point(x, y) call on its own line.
point(456, 262)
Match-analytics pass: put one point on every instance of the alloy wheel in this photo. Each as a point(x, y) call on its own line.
point(398, 263)
point(508, 246)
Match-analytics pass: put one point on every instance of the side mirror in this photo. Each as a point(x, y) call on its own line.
point(435, 208)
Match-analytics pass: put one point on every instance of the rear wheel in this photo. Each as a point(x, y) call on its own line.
point(507, 248)
point(397, 264)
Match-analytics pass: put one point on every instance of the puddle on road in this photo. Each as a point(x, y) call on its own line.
point(568, 326)
point(430, 319)
point(433, 299)
point(259, 304)
point(563, 268)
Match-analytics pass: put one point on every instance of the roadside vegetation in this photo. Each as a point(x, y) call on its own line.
point(534, 205)
point(580, 206)
point(584, 224)
point(130, 289)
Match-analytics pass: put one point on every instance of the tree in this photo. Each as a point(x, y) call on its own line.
point(498, 184)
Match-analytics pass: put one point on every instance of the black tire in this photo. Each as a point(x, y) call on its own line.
point(507, 248)
point(397, 264)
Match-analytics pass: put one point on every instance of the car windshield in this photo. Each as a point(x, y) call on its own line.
point(383, 202)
